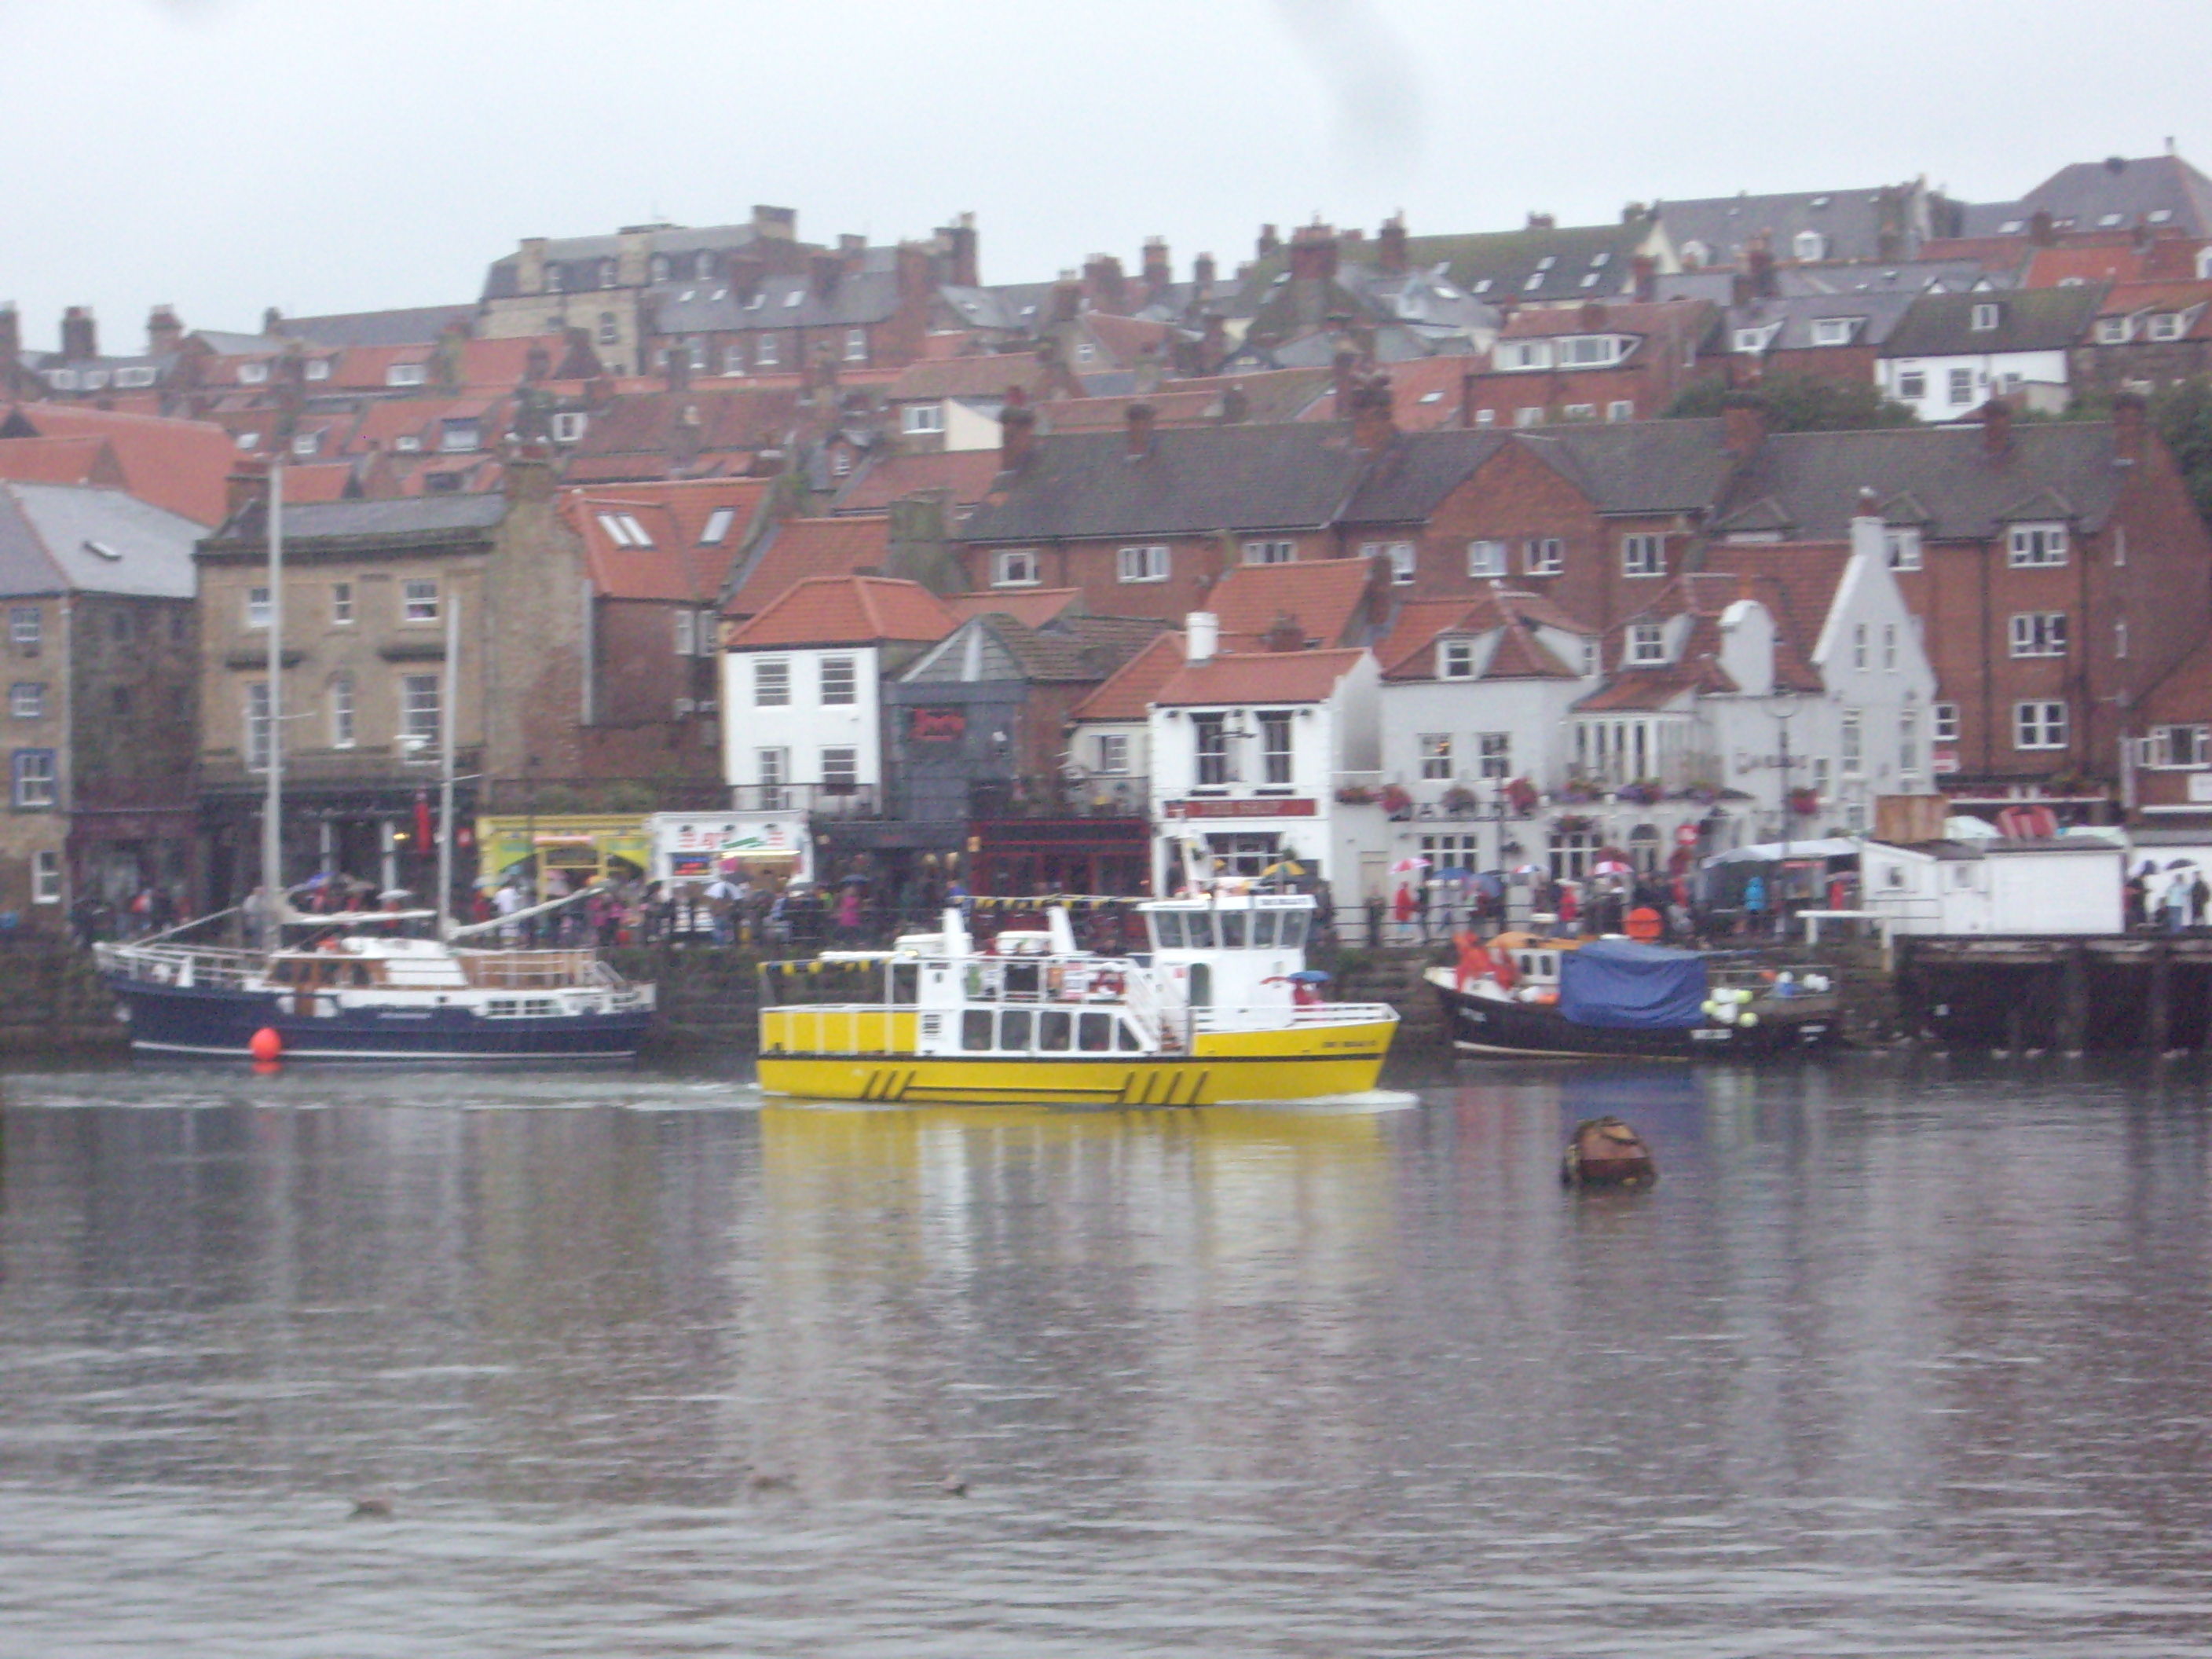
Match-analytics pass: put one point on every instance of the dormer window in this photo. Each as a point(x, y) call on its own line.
point(1455, 659)
point(702, 266)
point(1695, 255)
point(305, 445)
point(1984, 318)
point(1753, 341)
point(1647, 644)
point(792, 299)
point(253, 373)
point(658, 268)
point(610, 274)
point(2036, 545)
point(1517, 354)
point(406, 374)
point(753, 300)
point(2115, 331)
point(1834, 330)
point(1903, 543)
point(2167, 325)
point(1809, 245)
point(319, 368)
point(136, 377)
point(2108, 221)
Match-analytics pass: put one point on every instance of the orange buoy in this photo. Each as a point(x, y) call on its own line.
point(266, 1044)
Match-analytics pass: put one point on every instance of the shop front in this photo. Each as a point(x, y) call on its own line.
point(1103, 856)
point(552, 853)
point(767, 849)
point(1247, 837)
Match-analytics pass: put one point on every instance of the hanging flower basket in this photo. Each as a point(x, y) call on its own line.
point(1459, 801)
point(1804, 802)
point(1353, 795)
point(1395, 801)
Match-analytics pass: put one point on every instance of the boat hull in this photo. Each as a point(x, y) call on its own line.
point(1228, 1066)
point(222, 1022)
point(1488, 1025)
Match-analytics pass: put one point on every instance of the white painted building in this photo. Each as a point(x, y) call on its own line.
point(1953, 352)
point(1250, 752)
point(2071, 884)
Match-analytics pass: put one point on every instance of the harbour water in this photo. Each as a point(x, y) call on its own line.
point(1900, 1357)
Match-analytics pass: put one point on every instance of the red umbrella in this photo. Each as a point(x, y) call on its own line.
point(424, 833)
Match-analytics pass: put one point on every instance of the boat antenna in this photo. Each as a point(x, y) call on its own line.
point(447, 710)
point(272, 805)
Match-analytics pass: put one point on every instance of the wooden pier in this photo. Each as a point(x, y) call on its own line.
point(2142, 992)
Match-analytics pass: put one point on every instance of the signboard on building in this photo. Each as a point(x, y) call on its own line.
point(937, 725)
point(696, 846)
point(1244, 809)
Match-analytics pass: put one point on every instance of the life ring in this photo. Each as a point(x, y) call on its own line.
point(1107, 982)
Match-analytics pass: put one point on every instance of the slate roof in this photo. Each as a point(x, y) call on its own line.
point(796, 549)
point(1814, 478)
point(1852, 222)
point(1425, 394)
point(1075, 650)
point(1492, 266)
point(1878, 313)
point(847, 610)
point(1327, 596)
point(415, 518)
point(1128, 694)
point(414, 325)
point(2028, 319)
point(2088, 193)
point(48, 534)
point(713, 306)
point(1195, 480)
point(965, 474)
point(1259, 676)
point(501, 280)
point(1637, 467)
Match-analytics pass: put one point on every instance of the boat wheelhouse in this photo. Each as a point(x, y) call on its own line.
point(1222, 1009)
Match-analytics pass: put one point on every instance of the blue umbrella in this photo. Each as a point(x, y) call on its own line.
point(1455, 875)
point(1309, 976)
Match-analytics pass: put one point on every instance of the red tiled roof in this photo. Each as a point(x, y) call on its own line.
point(86, 460)
point(1126, 338)
point(975, 377)
point(1652, 688)
point(317, 481)
point(967, 473)
point(1426, 393)
point(2126, 299)
point(690, 504)
point(1327, 596)
point(1129, 693)
point(658, 422)
point(800, 548)
point(1796, 581)
point(2050, 267)
point(1520, 654)
point(1260, 676)
point(182, 466)
point(1032, 607)
point(1622, 316)
point(848, 610)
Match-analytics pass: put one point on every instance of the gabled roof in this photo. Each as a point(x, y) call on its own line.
point(2089, 192)
point(965, 474)
point(1327, 596)
point(847, 610)
point(2105, 259)
point(657, 422)
point(1874, 312)
point(181, 465)
point(413, 325)
point(2133, 298)
point(1855, 224)
point(1408, 652)
point(1967, 494)
point(1426, 393)
point(987, 379)
point(679, 566)
point(1194, 481)
point(1410, 476)
point(1129, 693)
point(1637, 467)
point(1260, 676)
point(2028, 319)
point(1074, 650)
point(1033, 607)
point(59, 539)
point(89, 460)
point(1796, 581)
point(796, 549)
point(1669, 317)
point(1705, 597)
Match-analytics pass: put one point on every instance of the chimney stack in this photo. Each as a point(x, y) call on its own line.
point(962, 267)
point(1390, 251)
point(1016, 432)
point(1269, 242)
point(2041, 230)
point(1286, 632)
point(1158, 277)
point(163, 332)
point(248, 483)
point(272, 322)
point(1344, 379)
point(1236, 406)
point(1996, 429)
point(1201, 636)
point(11, 336)
point(676, 361)
point(1212, 344)
point(2128, 427)
point(80, 336)
point(1141, 418)
point(1646, 273)
point(1542, 221)
point(1743, 427)
point(528, 475)
point(827, 269)
point(1760, 256)
point(1313, 253)
point(1372, 425)
point(1104, 281)
point(1066, 299)
point(1202, 275)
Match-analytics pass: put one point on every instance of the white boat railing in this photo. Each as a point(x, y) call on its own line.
point(210, 967)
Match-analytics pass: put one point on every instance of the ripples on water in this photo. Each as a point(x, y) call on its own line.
point(1893, 1361)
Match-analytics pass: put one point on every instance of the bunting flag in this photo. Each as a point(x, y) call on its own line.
point(424, 836)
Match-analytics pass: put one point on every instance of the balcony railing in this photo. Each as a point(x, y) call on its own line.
point(819, 800)
point(1101, 796)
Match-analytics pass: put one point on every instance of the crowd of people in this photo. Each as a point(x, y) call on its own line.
point(2169, 901)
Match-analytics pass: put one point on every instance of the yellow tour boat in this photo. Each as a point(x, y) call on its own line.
point(1222, 1011)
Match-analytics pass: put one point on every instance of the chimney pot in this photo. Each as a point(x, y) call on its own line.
point(1646, 272)
point(163, 332)
point(1996, 429)
point(1141, 418)
point(1203, 274)
point(1201, 636)
point(1016, 437)
point(1743, 427)
point(80, 335)
point(1390, 250)
point(1269, 242)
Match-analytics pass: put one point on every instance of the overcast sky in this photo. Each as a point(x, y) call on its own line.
point(224, 155)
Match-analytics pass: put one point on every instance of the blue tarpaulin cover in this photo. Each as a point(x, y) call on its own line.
point(1630, 986)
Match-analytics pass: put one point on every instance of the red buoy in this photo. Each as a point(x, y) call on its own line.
point(266, 1044)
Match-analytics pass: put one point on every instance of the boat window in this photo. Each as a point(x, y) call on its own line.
point(502, 1009)
point(1263, 930)
point(1294, 929)
point(1054, 1029)
point(1014, 1030)
point(906, 984)
point(1130, 1043)
point(361, 973)
point(1198, 929)
point(1232, 930)
point(1201, 985)
point(976, 1029)
point(541, 1006)
point(1096, 1034)
point(1022, 980)
point(281, 972)
point(1167, 930)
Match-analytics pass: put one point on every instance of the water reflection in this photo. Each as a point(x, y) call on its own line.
point(1894, 1359)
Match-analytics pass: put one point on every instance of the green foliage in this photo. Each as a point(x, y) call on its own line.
point(1799, 403)
point(2181, 414)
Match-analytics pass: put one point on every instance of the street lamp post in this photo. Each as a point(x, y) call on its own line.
point(1784, 708)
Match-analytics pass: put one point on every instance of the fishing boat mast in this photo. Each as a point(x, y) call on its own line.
point(273, 806)
point(448, 707)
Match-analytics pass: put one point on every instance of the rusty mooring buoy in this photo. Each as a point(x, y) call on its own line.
point(1604, 1152)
